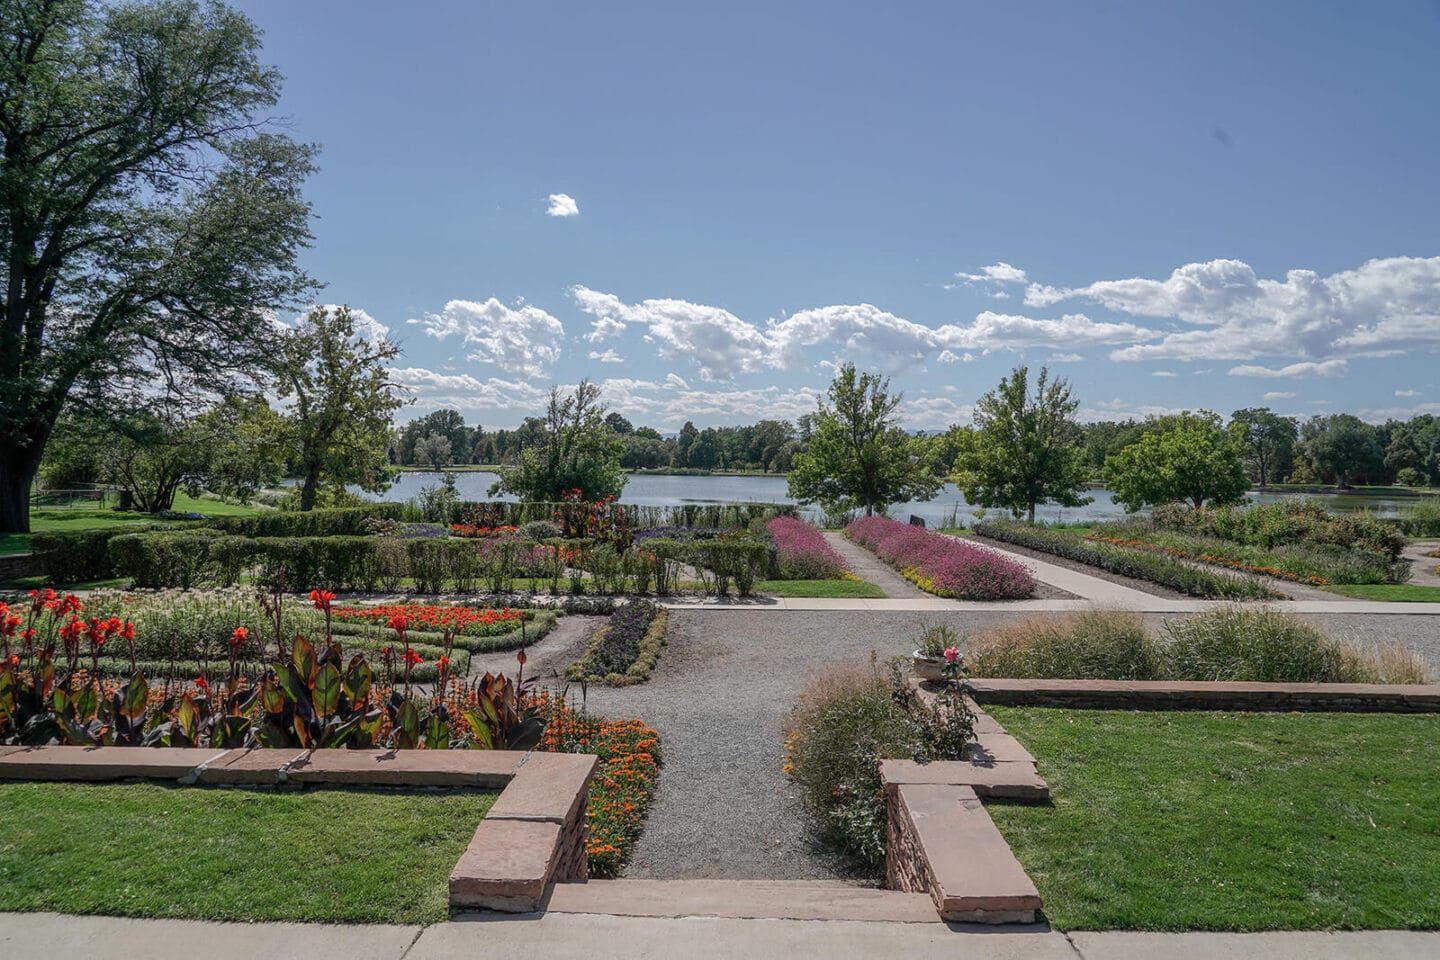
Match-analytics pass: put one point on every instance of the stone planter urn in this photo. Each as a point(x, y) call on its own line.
point(928, 668)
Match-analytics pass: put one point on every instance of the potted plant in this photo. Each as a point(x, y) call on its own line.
point(929, 656)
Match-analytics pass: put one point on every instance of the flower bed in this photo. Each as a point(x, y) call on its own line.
point(470, 531)
point(1159, 568)
point(466, 621)
point(942, 565)
point(803, 552)
point(624, 784)
point(625, 650)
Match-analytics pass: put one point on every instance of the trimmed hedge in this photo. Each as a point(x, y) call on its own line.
point(75, 556)
point(1126, 561)
point(727, 515)
point(330, 522)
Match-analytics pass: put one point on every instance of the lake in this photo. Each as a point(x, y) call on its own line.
point(656, 490)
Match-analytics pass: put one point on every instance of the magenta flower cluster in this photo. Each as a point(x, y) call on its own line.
point(803, 552)
point(942, 565)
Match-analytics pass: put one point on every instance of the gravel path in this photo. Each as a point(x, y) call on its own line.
point(549, 657)
point(867, 566)
point(1424, 569)
point(719, 697)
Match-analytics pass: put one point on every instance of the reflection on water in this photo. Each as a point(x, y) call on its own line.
point(654, 490)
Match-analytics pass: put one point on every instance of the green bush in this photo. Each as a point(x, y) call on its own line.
point(843, 724)
point(300, 564)
point(333, 522)
point(165, 559)
point(1287, 522)
point(75, 556)
point(1422, 519)
point(1131, 562)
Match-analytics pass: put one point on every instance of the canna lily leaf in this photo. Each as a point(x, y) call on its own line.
point(327, 689)
point(305, 661)
point(134, 698)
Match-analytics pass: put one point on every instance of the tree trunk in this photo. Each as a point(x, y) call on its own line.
point(17, 473)
point(309, 487)
point(1032, 514)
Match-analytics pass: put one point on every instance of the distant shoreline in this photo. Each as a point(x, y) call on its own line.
point(685, 472)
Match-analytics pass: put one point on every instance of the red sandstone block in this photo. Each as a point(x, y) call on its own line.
point(973, 873)
point(507, 866)
point(547, 786)
point(992, 747)
point(258, 766)
point(1012, 780)
point(407, 768)
point(105, 763)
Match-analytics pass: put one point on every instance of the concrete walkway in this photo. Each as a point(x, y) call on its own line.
point(562, 936)
point(867, 566)
point(1145, 603)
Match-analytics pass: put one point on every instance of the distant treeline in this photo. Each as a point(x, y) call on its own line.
point(1337, 449)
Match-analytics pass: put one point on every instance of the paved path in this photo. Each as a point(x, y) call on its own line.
point(1149, 604)
point(1082, 585)
point(1423, 568)
point(867, 566)
point(560, 936)
point(719, 697)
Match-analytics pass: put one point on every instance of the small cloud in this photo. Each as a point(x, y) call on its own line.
point(1326, 368)
point(1065, 358)
point(998, 272)
point(999, 295)
point(562, 205)
point(1164, 373)
point(949, 356)
point(674, 380)
point(1407, 393)
point(1279, 395)
point(609, 356)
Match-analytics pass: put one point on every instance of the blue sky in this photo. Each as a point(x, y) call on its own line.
point(1174, 205)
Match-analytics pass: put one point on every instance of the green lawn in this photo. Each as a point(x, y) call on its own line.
point(145, 850)
point(1217, 821)
point(854, 589)
point(59, 519)
point(1393, 592)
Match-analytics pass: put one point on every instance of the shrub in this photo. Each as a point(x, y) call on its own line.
point(539, 530)
point(802, 552)
point(1293, 521)
point(1095, 645)
point(75, 556)
point(1130, 562)
point(1422, 518)
point(331, 522)
point(167, 559)
point(942, 565)
point(625, 649)
point(847, 720)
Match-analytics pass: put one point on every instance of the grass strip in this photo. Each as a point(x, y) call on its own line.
point(848, 588)
point(1223, 821)
point(147, 850)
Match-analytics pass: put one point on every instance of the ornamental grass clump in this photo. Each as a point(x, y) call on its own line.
point(1255, 645)
point(803, 552)
point(940, 564)
point(1095, 645)
point(845, 721)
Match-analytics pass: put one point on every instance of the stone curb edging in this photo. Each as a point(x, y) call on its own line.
point(1209, 695)
point(534, 834)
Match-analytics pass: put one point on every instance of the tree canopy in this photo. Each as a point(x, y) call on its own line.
point(859, 457)
point(576, 450)
point(1189, 457)
point(1024, 449)
point(1266, 442)
point(149, 222)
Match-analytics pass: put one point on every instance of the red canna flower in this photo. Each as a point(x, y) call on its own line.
point(127, 632)
point(413, 659)
point(202, 684)
point(322, 599)
point(521, 657)
point(238, 638)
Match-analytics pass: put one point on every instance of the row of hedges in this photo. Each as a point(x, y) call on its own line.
point(1130, 562)
point(1284, 523)
point(202, 556)
point(626, 649)
point(723, 515)
point(942, 565)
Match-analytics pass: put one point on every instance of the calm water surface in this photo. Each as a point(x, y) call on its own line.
point(655, 490)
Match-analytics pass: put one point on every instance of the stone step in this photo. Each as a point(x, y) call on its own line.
point(955, 849)
point(741, 899)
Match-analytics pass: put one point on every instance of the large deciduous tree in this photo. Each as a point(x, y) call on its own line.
point(575, 449)
point(1266, 441)
point(149, 223)
point(859, 457)
point(1344, 448)
point(1025, 447)
point(341, 398)
point(1188, 457)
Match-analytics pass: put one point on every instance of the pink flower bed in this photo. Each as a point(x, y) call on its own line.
point(942, 565)
point(804, 554)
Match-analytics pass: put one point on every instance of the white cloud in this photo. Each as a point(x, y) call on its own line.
point(880, 339)
point(950, 356)
point(719, 343)
point(1164, 373)
point(1279, 395)
point(1407, 393)
point(1065, 358)
point(563, 205)
point(1381, 307)
point(998, 272)
point(433, 390)
point(935, 413)
point(608, 356)
point(1008, 331)
point(367, 328)
point(677, 382)
point(1327, 368)
point(522, 340)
